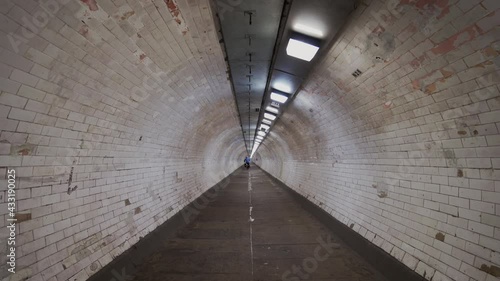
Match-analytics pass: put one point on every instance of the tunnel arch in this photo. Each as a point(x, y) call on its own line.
point(118, 114)
point(395, 151)
point(123, 112)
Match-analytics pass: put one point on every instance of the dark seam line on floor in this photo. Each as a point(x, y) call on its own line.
point(250, 219)
point(128, 261)
point(386, 264)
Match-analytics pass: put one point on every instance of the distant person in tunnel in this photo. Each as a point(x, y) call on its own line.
point(247, 162)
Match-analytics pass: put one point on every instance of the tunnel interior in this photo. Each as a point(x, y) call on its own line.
point(117, 116)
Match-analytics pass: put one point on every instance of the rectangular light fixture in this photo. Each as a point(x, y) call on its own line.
point(260, 133)
point(275, 104)
point(269, 116)
point(282, 86)
point(265, 121)
point(302, 47)
point(264, 126)
point(278, 97)
point(308, 30)
point(272, 109)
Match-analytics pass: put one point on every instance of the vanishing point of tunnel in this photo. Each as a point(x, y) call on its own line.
point(249, 140)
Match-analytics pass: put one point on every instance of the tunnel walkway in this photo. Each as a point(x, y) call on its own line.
point(253, 230)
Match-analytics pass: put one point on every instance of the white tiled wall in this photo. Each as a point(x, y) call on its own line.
point(114, 116)
point(408, 153)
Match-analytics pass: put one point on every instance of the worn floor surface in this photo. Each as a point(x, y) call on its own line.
point(254, 230)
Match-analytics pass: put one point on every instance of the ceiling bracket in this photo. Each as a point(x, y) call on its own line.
point(249, 54)
point(250, 14)
point(249, 37)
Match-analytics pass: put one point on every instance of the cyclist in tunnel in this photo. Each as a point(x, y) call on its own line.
point(247, 161)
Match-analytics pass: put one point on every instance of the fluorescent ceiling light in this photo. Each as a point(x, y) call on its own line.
point(308, 30)
point(275, 104)
point(278, 97)
point(282, 87)
point(302, 47)
point(264, 126)
point(260, 133)
point(265, 121)
point(269, 116)
point(259, 137)
point(272, 109)
point(301, 50)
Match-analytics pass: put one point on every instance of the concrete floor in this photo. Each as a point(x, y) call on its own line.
point(281, 243)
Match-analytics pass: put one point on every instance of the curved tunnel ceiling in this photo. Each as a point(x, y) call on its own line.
point(255, 36)
point(249, 31)
point(316, 22)
point(117, 114)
